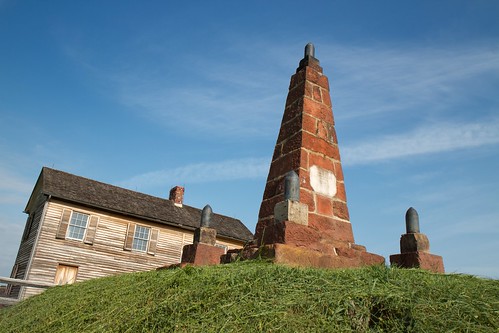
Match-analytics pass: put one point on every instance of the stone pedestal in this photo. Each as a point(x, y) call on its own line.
point(415, 248)
point(205, 235)
point(204, 250)
point(430, 262)
point(200, 254)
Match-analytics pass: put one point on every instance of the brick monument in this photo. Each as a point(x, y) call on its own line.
point(415, 248)
point(309, 225)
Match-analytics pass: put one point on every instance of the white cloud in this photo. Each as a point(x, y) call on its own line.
point(14, 193)
point(206, 110)
point(7, 198)
point(11, 182)
point(244, 94)
point(485, 224)
point(239, 96)
point(426, 140)
point(378, 79)
point(248, 168)
point(11, 228)
point(436, 138)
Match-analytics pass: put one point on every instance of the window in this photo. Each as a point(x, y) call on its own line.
point(140, 238)
point(65, 274)
point(77, 225)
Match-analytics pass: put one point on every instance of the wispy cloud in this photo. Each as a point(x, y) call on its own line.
point(486, 224)
point(248, 168)
point(206, 110)
point(240, 95)
point(247, 98)
point(11, 228)
point(425, 140)
point(370, 80)
point(12, 183)
point(232, 97)
point(243, 94)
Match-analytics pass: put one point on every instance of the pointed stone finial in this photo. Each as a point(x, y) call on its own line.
point(206, 216)
point(411, 221)
point(292, 186)
point(309, 50)
point(309, 59)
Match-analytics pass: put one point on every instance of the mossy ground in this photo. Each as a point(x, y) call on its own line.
point(261, 297)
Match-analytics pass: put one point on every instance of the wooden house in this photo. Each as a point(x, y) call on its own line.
point(78, 229)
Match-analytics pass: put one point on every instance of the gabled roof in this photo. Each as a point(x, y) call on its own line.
point(88, 192)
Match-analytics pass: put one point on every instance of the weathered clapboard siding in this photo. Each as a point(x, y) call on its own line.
point(230, 244)
point(106, 255)
point(27, 241)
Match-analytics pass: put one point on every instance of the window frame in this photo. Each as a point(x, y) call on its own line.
point(71, 226)
point(144, 242)
point(90, 229)
point(151, 243)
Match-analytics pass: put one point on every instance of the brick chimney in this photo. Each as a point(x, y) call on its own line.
point(177, 196)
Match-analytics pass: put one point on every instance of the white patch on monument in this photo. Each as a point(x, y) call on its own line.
point(323, 181)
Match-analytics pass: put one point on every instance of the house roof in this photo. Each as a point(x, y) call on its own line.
point(69, 187)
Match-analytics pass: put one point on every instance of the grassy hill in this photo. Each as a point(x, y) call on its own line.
point(261, 297)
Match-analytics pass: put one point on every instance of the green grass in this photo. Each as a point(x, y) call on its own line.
point(261, 297)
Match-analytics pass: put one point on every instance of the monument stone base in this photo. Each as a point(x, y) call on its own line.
point(199, 254)
point(423, 260)
point(303, 257)
point(295, 244)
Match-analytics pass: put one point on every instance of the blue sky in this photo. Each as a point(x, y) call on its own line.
point(149, 95)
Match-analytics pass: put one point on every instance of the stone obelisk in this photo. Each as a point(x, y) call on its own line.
point(311, 228)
